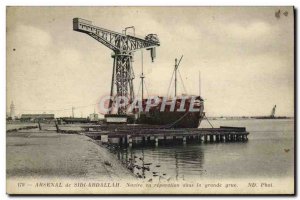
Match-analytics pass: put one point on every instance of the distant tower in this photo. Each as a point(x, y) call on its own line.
point(273, 112)
point(12, 110)
point(73, 108)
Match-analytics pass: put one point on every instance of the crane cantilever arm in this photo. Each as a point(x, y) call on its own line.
point(115, 41)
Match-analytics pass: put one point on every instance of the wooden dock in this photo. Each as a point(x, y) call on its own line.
point(128, 134)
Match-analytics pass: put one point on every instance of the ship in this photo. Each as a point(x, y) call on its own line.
point(187, 111)
point(177, 118)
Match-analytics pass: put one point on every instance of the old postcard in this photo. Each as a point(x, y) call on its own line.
point(150, 100)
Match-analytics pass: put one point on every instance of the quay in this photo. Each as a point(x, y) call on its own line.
point(128, 134)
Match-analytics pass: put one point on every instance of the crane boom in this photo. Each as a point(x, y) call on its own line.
point(117, 42)
point(123, 46)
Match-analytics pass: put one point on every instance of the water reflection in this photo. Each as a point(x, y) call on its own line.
point(165, 162)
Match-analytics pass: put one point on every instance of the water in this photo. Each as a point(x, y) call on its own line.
point(269, 152)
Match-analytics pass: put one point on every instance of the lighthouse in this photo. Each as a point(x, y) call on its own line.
point(12, 111)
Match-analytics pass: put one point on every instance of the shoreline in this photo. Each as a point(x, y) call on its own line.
point(47, 154)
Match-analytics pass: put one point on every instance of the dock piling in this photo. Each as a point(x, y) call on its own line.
point(184, 139)
point(218, 138)
point(156, 141)
point(130, 141)
point(144, 139)
point(127, 135)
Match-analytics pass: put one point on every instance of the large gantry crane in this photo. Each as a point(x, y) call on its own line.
point(123, 46)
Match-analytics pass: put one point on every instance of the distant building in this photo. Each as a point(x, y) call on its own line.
point(74, 120)
point(36, 117)
point(94, 117)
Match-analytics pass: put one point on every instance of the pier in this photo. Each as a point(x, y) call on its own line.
point(128, 135)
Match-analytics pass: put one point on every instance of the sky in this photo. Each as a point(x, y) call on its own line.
point(245, 56)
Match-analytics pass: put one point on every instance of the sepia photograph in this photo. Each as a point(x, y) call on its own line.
point(150, 100)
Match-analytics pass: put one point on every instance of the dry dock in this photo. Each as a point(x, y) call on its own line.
point(39, 153)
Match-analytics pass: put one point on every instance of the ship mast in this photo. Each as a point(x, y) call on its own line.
point(142, 77)
point(175, 69)
point(199, 83)
point(175, 77)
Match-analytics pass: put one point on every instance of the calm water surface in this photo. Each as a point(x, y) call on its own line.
point(269, 152)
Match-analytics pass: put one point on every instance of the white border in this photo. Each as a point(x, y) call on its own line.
point(5, 3)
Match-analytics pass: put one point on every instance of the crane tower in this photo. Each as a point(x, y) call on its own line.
point(273, 112)
point(123, 47)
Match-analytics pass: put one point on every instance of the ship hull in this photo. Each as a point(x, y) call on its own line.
point(171, 119)
point(174, 119)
